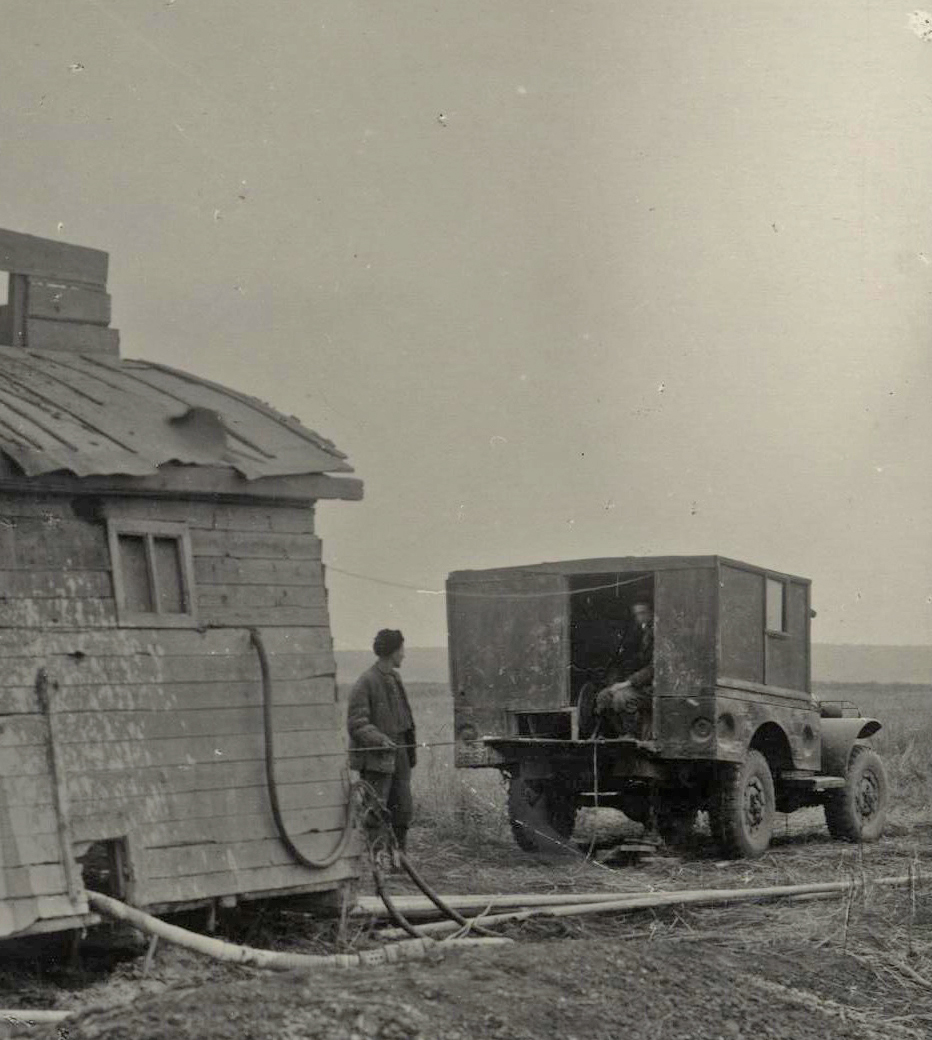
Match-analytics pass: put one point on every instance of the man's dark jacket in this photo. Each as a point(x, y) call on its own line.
point(376, 715)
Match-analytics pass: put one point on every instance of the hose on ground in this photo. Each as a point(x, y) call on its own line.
point(267, 692)
point(438, 901)
point(277, 960)
point(393, 912)
point(382, 841)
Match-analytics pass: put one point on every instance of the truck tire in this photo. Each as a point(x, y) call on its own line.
point(744, 808)
point(858, 811)
point(541, 815)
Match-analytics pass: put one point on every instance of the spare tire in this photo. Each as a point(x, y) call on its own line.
point(541, 814)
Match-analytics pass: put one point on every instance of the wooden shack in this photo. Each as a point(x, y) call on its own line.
point(149, 520)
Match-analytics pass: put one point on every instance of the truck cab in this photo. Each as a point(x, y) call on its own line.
point(729, 724)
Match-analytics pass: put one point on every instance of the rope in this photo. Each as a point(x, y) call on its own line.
point(488, 595)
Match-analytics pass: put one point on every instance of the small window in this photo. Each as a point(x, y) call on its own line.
point(776, 605)
point(152, 573)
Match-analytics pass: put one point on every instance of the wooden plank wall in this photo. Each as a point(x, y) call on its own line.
point(161, 729)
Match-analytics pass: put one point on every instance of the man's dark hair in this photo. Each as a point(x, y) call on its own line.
point(387, 641)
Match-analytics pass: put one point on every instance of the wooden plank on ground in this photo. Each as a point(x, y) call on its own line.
point(61, 301)
point(71, 336)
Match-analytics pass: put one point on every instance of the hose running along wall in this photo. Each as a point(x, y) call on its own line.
point(267, 691)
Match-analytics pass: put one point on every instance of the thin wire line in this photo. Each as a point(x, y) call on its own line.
point(383, 581)
point(488, 595)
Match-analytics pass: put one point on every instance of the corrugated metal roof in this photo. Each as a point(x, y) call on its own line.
point(98, 416)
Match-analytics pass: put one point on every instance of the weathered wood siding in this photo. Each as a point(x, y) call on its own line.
point(160, 731)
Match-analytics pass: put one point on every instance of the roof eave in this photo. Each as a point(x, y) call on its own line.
point(190, 482)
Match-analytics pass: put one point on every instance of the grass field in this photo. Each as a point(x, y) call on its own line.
point(470, 803)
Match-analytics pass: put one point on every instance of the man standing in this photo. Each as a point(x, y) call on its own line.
point(626, 705)
point(381, 730)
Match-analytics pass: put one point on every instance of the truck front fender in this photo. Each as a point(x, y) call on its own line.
point(838, 738)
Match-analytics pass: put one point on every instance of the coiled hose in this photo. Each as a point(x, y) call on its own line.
point(319, 864)
point(313, 864)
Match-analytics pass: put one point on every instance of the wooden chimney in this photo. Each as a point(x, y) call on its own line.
point(57, 298)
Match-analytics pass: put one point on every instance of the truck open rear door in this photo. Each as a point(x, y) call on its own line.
point(509, 649)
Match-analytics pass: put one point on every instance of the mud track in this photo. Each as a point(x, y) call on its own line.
point(850, 968)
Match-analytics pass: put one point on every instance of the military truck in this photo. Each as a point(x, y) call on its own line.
point(730, 725)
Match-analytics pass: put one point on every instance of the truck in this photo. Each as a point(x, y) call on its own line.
point(729, 725)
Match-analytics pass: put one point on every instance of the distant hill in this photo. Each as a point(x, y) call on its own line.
point(421, 664)
point(838, 662)
point(831, 662)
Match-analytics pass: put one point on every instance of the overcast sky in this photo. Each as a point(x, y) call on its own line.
point(605, 278)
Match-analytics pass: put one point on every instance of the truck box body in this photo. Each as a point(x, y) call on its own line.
point(731, 651)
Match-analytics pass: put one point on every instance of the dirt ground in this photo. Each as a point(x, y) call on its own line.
point(858, 967)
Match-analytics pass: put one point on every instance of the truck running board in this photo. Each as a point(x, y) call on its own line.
point(811, 782)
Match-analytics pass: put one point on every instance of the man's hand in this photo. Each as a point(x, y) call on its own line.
point(388, 743)
point(605, 698)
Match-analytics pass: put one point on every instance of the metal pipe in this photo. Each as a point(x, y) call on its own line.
point(691, 897)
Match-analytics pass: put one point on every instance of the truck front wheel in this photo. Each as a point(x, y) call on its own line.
point(743, 813)
point(542, 816)
point(858, 811)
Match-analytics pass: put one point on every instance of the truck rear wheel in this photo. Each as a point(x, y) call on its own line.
point(542, 816)
point(858, 811)
point(744, 808)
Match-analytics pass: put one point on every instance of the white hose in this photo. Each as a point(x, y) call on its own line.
point(409, 949)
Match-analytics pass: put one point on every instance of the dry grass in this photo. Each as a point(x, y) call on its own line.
point(469, 805)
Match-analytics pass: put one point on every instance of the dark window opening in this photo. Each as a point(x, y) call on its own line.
point(776, 605)
point(169, 575)
point(152, 573)
point(103, 867)
point(6, 317)
point(137, 589)
point(604, 634)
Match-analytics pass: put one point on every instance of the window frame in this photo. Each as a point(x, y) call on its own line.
point(783, 632)
point(149, 530)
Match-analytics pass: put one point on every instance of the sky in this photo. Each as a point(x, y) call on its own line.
point(593, 279)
